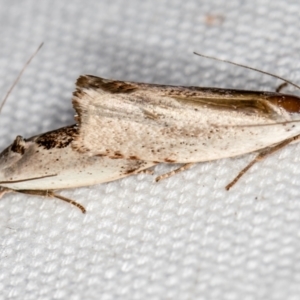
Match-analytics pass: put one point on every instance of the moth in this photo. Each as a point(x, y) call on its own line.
point(125, 127)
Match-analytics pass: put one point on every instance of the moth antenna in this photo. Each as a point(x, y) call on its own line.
point(19, 76)
point(27, 179)
point(250, 68)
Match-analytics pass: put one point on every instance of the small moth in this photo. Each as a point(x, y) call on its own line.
point(125, 127)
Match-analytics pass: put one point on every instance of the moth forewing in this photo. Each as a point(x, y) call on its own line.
point(178, 124)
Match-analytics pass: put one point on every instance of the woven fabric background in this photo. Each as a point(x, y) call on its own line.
point(185, 237)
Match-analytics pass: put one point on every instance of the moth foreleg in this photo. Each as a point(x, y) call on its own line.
point(262, 155)
point(281, 87)
point(173, 172)
point(51, 194)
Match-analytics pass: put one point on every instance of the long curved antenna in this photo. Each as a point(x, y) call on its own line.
point(19, 76)
point(250, 68)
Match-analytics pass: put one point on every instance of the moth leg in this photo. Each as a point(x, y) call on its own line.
point(173, 172)
point(4, 190)
point(262, 155)
point(281, 87)
point(51, 194)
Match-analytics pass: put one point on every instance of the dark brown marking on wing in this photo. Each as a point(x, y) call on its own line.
point(118, 154)
point(59, 138)
point(111, 86)
point(115, 155)
point(18, 146)
point(130, 171)
point(168, 160)
point(134, 157)
point(134, 168)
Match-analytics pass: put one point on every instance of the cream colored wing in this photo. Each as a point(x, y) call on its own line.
point(177, 124)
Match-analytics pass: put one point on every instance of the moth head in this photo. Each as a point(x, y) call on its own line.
point(13, 153)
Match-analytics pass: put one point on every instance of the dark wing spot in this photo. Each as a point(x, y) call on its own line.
point(130, 171)
point(168, 160)
point(133, 157)
point(59, 138)
point(134, 168)
point(116, 155)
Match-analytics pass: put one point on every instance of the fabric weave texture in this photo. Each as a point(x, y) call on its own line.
point(185, 237)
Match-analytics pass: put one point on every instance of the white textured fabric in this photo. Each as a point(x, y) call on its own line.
point(185, 237)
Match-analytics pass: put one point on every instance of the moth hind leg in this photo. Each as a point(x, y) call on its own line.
point(51, 194)
point(174, 172)
point(262, 155)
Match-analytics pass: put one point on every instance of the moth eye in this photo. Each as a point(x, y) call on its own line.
point(18, 145)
